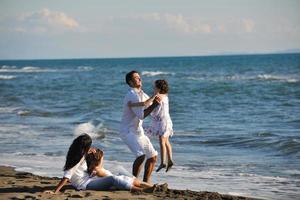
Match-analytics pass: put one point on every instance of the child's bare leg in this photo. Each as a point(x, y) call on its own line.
point(135, 189)
point(169, 154)
point(138, 185)
point(162, 143)
point(142, 184)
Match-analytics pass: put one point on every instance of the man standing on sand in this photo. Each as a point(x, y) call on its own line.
point(132, 132)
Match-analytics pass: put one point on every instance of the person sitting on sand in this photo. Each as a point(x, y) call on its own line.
point(96, 169)
point(76, 170)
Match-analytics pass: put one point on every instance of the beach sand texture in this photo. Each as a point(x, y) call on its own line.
point(23, 185)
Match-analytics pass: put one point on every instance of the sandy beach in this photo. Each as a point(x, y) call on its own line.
point(23, 185)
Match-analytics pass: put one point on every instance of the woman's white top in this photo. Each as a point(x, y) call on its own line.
point(78, 175)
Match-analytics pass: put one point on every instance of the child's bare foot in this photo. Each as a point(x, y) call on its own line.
point(151, 189)
point(162, 188)
point(160, 167)
point(170, 164)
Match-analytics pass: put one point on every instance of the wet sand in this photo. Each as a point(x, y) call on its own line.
point(23, 185)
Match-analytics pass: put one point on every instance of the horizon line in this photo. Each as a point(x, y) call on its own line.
point(141, 57)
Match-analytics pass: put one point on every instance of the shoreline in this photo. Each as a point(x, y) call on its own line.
point(24, 185)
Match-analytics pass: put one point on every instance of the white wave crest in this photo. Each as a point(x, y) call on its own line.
point(287, 78)
point(7, 77)
point(32, 69)
point(23, 112)
point(8, 67)
point(237, 77)
point(27, 69)
point(155, 73)
point(34, 163)
point(8, 109)
point(85, 68)
point(95, 131)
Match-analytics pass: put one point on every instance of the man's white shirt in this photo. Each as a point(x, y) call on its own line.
point(132, 118)
point(131, 130)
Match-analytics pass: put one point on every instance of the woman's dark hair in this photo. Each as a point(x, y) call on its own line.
point(129, 76)
point(162, 85)
point(78, 148)
point(93, 160)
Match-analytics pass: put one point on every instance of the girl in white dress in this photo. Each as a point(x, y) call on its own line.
point(161, 124)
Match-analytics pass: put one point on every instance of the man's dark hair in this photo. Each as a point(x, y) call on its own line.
point(129, 76)
point(162, 85)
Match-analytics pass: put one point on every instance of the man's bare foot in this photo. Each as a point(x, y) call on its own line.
point(170, 164)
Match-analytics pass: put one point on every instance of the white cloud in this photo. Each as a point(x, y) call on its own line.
point(187, 25)
point(176, 22)
point(46, 20)
point(248, 25)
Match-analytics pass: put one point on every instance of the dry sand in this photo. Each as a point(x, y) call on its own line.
point(23, 185)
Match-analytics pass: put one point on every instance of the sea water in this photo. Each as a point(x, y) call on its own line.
point(236, 118)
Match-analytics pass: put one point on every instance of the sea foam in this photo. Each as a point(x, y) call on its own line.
point(155, 73)
point(34, 69)
point(7, 77)
point(238, 77)
point(95, 131)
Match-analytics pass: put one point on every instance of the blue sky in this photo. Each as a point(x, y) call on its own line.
point(136, 28)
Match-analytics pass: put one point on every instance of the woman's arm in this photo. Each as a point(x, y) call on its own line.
point(144, 103)
point(62, 182)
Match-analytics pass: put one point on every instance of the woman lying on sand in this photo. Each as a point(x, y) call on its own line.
point(76, 170)
point(95, 168)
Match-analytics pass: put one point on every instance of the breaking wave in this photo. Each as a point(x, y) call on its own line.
point(259, 77)
point(155, 73)
point(4, 77)
point(32, 69)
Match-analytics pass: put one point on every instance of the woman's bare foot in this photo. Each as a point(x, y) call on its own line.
point(160, 167)
point(170, 164)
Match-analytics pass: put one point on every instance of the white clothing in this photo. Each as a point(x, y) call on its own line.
point(78, 175)
point(161, 124)
point(105, 183)
point(131, 130)
point(126, 180)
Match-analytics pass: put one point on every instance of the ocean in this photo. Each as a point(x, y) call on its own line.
point(236, 118)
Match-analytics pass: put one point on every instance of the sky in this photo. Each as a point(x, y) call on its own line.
point(50, 29)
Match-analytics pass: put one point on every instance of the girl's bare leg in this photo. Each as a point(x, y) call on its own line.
point(142, 184)
point(162, 143)
point(136, 189)
point(169, 153)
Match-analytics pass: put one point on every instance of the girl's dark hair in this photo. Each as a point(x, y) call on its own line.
point(93, 160)
point(162, 85)
point(129, 76)
point(78, 148)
